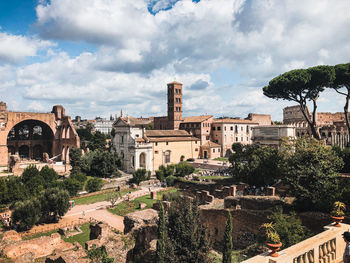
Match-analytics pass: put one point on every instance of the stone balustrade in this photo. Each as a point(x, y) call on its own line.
point(326, 247)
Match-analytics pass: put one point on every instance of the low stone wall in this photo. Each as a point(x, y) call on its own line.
point(252, 202)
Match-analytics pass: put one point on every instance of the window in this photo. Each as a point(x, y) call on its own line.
point(196, 149)
point(156, 144)
point(241, 128)
point(207, 137)
point(236, 139)
point(137, 135)
point(219, 128)
point(167, 143)
point(231, 128)
point(241, 139)
point(156, 152)
point(213, 150)
point(247, 128)
point(195, 142)
point(225, 128)
point(218, 150)
point(236, 129)
point(167, 157)
point(213, 128)
point(122, 139)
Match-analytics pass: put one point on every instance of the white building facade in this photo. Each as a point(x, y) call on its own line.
point(104, 126)
point(225, 132)
point(130, 144)
point(273, 135)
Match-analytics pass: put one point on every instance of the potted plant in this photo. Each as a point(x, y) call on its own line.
point(273, 241)
point(337, 213)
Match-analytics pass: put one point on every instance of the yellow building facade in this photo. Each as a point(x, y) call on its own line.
point(169, 146)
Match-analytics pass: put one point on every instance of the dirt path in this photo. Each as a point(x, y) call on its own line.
point(81, 214)
point(103, 215)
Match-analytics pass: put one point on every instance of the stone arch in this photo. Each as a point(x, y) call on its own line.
point(143, 160)
point(35, 136)
point(63, 132)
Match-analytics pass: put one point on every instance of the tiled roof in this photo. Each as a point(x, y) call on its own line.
point(227, 120)
point(131, 121)
point(211, 144)
point(167, 133)
point(196, 118)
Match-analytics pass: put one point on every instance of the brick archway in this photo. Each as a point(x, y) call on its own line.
point(59, 124)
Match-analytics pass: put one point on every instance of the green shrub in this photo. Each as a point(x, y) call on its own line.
point(94, 184)
point(79, 176)
point(170, 180)
point(139, 175)
point(73, 186)
point(183, 169)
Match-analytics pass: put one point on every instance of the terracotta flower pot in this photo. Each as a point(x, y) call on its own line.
point(274, 248)
point(337, 220)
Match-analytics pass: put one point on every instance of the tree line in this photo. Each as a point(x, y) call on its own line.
point(306, 85)
point(309, 168)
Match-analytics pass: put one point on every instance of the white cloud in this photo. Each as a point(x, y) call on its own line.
point(14, 48)
point(139, 52)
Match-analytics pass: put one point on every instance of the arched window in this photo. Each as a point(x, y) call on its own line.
point(143, 160)
point(37, 132)
point(23, 132)
point(167, 157)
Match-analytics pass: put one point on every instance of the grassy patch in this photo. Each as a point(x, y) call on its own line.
point(222, 159)
point(98, 197)
point(126, 207)
point(80, 238)
point(43, 234)
point(214, 177)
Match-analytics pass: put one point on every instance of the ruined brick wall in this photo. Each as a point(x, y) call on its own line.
point(328, 118)
point(253, 202)
point(245, 223)
point(262, 119)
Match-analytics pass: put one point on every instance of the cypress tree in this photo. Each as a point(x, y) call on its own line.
point(227, 251)
point(162, 236)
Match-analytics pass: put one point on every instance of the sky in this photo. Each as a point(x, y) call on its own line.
point(96, 57)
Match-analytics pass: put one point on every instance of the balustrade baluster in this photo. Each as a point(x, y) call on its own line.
point(311, 256)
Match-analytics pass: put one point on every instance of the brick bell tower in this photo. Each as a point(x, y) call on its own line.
point(174, 105)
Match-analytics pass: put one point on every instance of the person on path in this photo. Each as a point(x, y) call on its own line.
point(346, 255)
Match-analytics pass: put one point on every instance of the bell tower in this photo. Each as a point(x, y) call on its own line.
point(174, 105)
